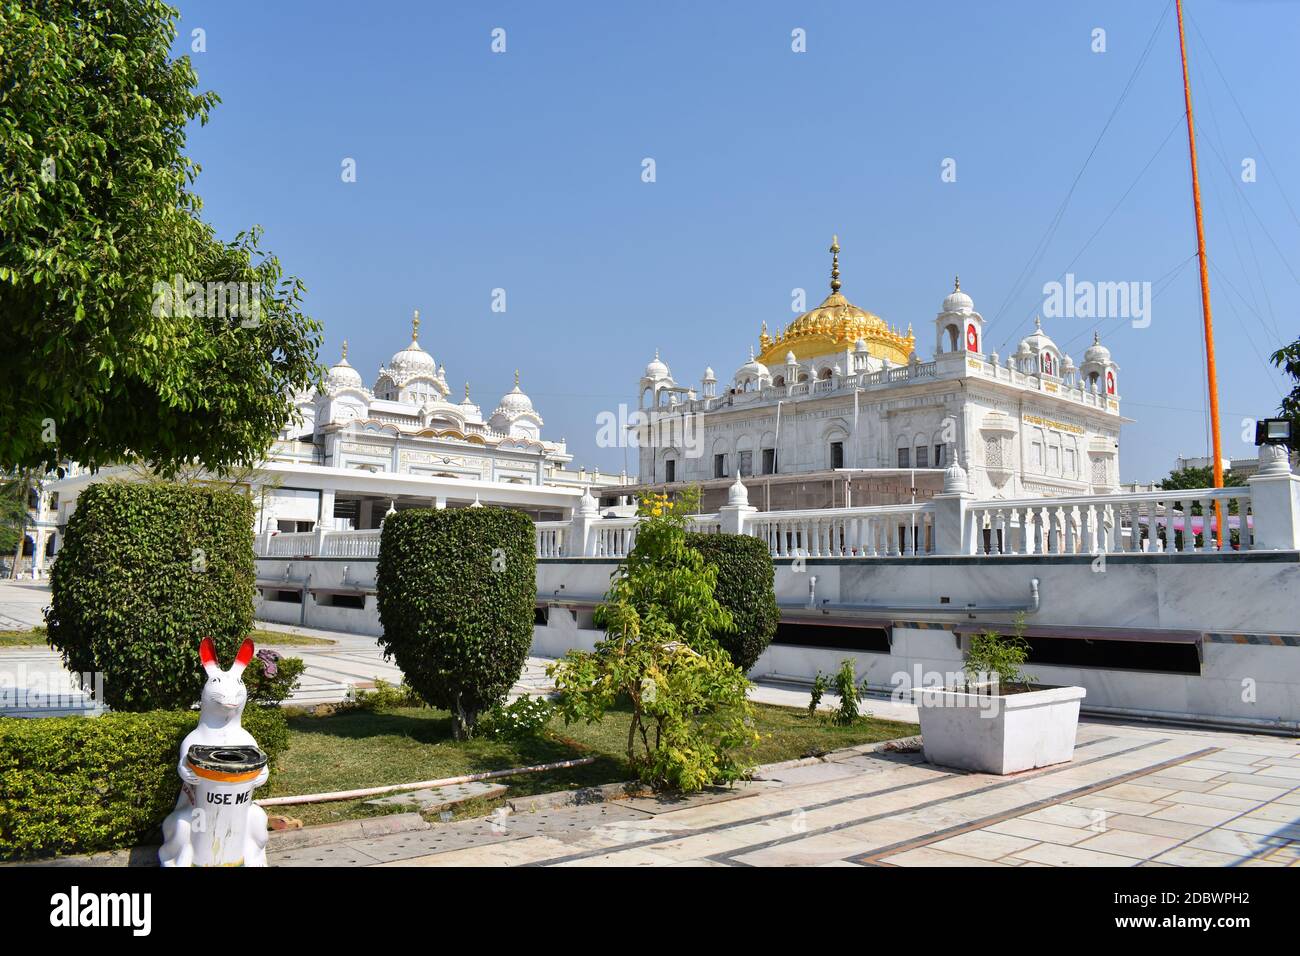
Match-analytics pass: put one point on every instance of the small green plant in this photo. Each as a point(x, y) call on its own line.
point(846, 685)
point(994, 656)
point(691, 722)
point(820, 683)
point(523, 717)
point(384, 697)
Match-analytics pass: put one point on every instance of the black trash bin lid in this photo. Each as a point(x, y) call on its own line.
point(224, 762)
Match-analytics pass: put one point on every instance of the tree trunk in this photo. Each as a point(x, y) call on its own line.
point(23, 485)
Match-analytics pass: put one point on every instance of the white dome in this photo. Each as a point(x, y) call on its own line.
point(1038, 340)
point(1097, 352)
point(343, 375)
point(515, 402)
point(752, 369)
point(957, 300)
point(708, 374)
point(656, 368)
point(413, 360)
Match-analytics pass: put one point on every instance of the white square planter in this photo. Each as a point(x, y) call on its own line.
point(998, 733)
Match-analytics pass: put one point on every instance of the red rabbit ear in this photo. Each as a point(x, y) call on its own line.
point(207, 653)
point(245, 652)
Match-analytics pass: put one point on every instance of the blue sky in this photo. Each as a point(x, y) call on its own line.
point(523, 171)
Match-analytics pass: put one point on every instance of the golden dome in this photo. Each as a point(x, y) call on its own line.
point(834, 325)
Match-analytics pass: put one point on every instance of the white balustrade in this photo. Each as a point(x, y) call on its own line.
point(1154, 522)
point(295, 544)
point(351, 544)
point(551, 538)
point(890, 530)
point(1163, 522)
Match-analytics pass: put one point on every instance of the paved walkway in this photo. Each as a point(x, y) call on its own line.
point(1133, 796)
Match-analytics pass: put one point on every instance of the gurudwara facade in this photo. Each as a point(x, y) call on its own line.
point(839, 408)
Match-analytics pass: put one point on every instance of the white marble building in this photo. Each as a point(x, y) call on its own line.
point(357, 452)
point(840, 391)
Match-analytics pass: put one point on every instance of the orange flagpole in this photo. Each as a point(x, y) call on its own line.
point(1212, 379)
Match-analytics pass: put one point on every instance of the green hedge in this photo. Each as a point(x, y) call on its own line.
point(80, 784)
point(145, 572)
point(746, 587)
point(457, 590)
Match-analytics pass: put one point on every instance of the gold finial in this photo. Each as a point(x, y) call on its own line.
point(467, 391)
point(835, 263)
point(517, 375)
point(415, 326)
point(345, 350)
point(956, 283)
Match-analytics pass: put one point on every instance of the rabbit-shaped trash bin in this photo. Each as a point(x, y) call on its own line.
point(215, 822)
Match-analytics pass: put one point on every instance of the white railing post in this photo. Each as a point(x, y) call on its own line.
point(950, 520)
point(1275, 501)
point(734, 515)
point(582, 532)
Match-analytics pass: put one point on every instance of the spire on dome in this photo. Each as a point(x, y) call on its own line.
point(415, 326)
point(1038, 322)
point(345, 350)
point(956, 283)
point(1096, 338)
point(835, 263)
point(467, 391)
point(517, 374)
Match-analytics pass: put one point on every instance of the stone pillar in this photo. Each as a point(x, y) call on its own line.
point(950, 532)
point(440, 503)
point(365, 514)
point(325, 517)
point(734, 515)
point(1275, 500)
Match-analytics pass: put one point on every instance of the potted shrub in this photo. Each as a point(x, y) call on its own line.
point(997, 720)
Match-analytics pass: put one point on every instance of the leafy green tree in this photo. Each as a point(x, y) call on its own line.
point(690, 717)
point(1193, 478)
point(1287, 358)
point(15, 487)
point(99, 362)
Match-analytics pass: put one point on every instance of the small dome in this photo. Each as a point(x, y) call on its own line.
point(958, 301)
point(1097, 352)
point(413, 359)
point(515, 402)
point(1038, 340)
point(708, 374)
point(656, 368)
point(752, 369)
point(860, 345)
point(343, 375)
point(790, 359)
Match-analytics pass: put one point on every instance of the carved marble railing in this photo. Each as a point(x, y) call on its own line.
point(351, 544)
point(1264, 514)
point(551, 538)
point(891, 530)
point(1159, 521)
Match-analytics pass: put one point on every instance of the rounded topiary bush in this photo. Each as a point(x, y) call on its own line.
point(456, 593)
point(146, 571)
point(746, 587)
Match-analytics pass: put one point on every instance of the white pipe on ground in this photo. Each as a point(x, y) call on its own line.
point(420, 785)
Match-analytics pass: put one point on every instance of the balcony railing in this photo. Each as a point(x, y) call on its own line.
point(1264, 514)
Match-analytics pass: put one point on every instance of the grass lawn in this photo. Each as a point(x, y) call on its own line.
point(284, 639)
point(31, 638)
point(352, 750)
